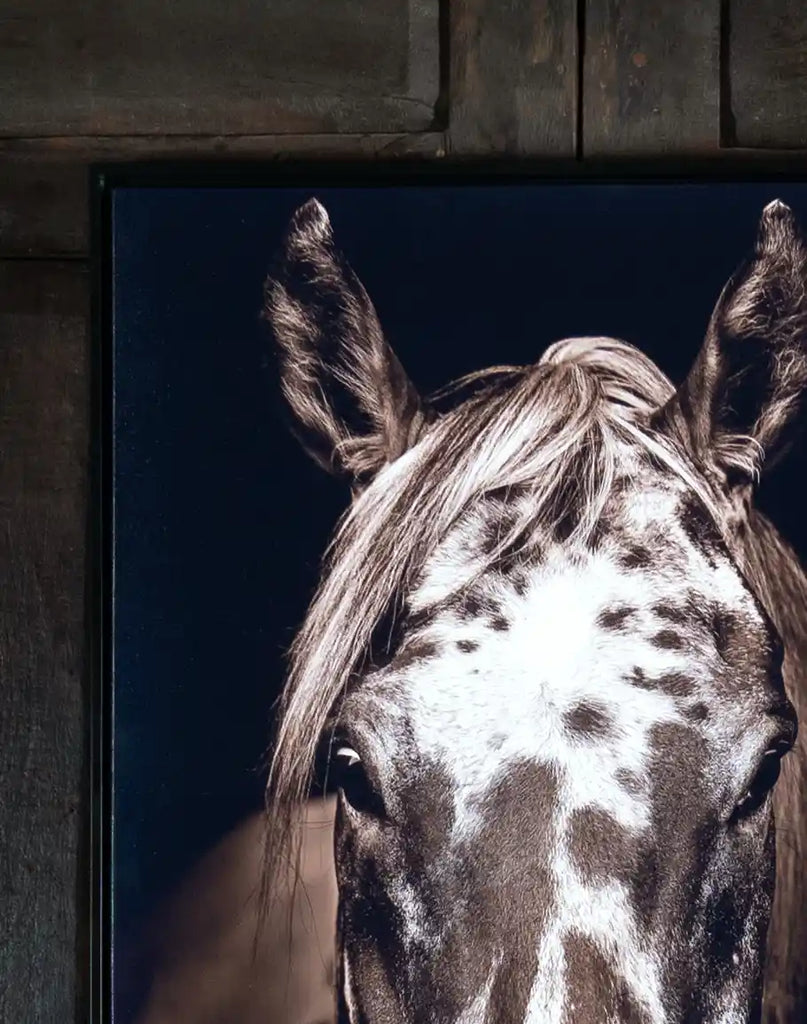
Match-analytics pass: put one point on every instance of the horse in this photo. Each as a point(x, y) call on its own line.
point(554, 664)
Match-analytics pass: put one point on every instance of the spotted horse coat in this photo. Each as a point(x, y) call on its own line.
point(548, 671)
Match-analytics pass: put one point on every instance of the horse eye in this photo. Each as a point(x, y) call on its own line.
point(350, 777)
point(761, 785)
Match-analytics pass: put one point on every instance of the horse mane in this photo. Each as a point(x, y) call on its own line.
point(776, 576)
point(559, 430)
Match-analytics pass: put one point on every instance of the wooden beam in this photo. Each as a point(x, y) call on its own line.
point(651, 78)
point(44, 183)
point(766, 73)
point(513, 80)
point(203, 67)
point(43, 507)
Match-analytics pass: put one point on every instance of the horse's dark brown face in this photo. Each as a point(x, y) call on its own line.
point(555, 792)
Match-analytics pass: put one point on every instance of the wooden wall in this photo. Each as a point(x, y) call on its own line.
point(437, 79)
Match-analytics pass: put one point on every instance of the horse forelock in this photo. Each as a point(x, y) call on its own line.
point(559, 433)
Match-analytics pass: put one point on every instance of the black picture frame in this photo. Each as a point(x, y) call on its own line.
point(104, 181)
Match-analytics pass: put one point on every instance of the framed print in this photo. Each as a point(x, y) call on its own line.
point(540, 690)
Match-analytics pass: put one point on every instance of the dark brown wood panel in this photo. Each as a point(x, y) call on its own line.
point(513, 89)
point(651, 78)
point(765, 73)
point(279, 79)
point(44, 183)
point(43, 505)
point(202, 66)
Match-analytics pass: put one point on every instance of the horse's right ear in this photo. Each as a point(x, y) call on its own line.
point(744, 398)
point(355, 409)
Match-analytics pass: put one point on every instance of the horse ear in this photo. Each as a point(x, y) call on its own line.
point(354, 408)
point(742, 399)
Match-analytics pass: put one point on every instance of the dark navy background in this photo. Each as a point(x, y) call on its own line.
point(220, 521)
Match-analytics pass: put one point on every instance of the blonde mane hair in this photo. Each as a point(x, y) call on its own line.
point(557, 430)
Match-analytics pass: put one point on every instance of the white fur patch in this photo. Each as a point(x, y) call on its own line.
point(506, 701)
point(489, 698)
point(347, 990)
point(602, 913)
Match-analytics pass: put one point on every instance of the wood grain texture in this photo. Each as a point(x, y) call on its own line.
point(651, 78)
point(44, 183)
point(43, 505)
point(513, 80)
point(197, 80)
point(201, 66)
point(766, 73)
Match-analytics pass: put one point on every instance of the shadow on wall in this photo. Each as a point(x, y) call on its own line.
point(197, 956)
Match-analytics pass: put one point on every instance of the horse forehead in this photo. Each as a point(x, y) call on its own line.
point(653, 543)
point(578, 647)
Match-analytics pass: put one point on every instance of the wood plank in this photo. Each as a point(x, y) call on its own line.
point(651, 79)
point(513, 78)
point(766, 73)
point(43, 507)
point(43, 182)
point(200, 66)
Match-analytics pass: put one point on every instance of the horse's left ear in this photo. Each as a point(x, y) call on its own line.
point(742, 400)
point(354, 407)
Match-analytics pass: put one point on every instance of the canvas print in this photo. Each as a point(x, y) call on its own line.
point(457, 621)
